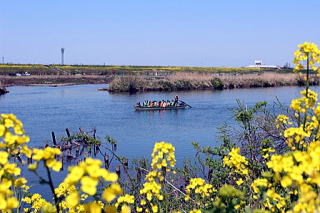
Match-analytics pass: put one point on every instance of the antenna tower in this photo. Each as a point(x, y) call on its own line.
point(62, 56)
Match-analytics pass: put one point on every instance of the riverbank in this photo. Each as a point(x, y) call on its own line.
point(54, 80)
point(197, 81)
point(158, 78)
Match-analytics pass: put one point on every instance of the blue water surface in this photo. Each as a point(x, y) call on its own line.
point(47, 109)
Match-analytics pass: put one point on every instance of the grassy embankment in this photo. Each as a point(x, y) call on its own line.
point(39, 69)
point(146, 78)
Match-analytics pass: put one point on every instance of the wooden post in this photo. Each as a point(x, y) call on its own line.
point(30, 160)
point(138, 174)
point(68, 133)
point(106, 161)
point(118, 170)
point(53, 138)
point(77, 151)
point(94, 133)
point(125, 163)
point(210, 172)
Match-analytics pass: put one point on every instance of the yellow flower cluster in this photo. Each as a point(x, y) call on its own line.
point(7, 200)
point(236, 162)
point(125, 199)
point(88, 174)
point(199, 187)
point(37, 204)
point(282, 120)
point(195, 211)
point(307, 52)
point(295, 137)
point(11, 130)
point(295, 173)
point(302, 104)
point(48, 155)
point(275, 201)
point(12, 135)
point(152, 189)
point(266, 152)
point(308, 113)
point(163, 159)
point(260, 182)
point(163, 155)
point(22, 66)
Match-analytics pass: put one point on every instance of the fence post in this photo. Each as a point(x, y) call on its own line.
point(53, 138)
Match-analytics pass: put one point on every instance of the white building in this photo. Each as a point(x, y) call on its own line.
point(259, 64)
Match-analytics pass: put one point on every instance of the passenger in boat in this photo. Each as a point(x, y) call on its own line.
point(176, 101)
point(138, 104)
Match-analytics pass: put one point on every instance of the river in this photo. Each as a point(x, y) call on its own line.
point(46, 109)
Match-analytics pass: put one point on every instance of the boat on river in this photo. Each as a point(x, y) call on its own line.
point(3, 90)
point(180, 105)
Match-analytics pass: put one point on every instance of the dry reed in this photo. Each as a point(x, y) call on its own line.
point(198, 81)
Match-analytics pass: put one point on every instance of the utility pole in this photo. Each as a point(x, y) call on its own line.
point(62, 56)
point(3, 59)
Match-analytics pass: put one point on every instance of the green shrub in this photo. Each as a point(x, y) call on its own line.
point(217, 83)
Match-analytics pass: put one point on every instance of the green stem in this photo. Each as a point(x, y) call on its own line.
point(50, 182)
point(308, 72)
point(307, 91)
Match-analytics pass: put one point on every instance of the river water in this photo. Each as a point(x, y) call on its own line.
point(46, 109)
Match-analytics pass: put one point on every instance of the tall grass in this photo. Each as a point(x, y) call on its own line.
point(198, 81)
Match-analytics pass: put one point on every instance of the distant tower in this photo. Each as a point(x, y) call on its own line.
point(3, 59)
point(62, 56)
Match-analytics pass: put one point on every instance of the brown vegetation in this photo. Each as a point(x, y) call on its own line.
point(198, 81)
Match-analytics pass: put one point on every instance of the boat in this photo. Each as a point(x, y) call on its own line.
point(3, 90)
point(181, 105)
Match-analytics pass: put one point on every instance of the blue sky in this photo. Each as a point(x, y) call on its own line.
point(156, 32)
